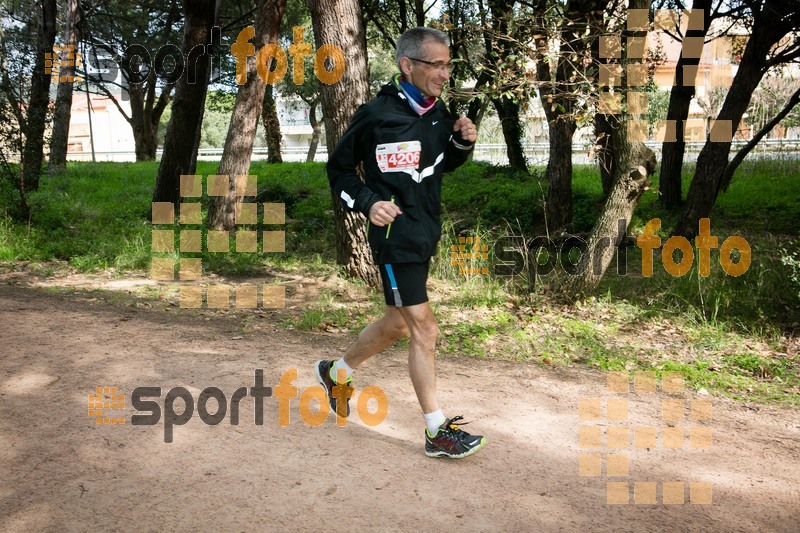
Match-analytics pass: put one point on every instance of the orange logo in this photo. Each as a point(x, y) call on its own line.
point(103, 399)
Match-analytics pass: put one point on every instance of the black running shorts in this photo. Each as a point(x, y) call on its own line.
point(404, 283)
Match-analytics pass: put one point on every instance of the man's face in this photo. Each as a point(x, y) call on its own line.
point(426, 77)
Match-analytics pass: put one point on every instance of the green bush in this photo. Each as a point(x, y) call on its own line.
point(790, 258)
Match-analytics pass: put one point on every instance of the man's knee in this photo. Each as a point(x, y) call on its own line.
point(397, 329)
point(426, 332)
point(394, 326)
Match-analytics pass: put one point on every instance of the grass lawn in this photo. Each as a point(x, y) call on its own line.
point(731, 335)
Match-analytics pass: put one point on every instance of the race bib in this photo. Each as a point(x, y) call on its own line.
point(394, 157)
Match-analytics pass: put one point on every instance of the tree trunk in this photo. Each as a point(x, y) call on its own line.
point(508, 110)
point(559, 175)
point(145, 113)
point(33, 152)
point(272, 126)
point(608, 231)
point(475, 111)
point(198, 132)
point(508, 113)
point(317, 129)
point(605, 151)
point(244, 119)
point(144, 132)
point(602, 127)
point(479, 118)
point(180, 141)
point(633, 163)
point(403, 16)
point(768, 29)
point(214, 38)
point(581, 25)
point(419, 11)
point(680, 98)
point(63, 109)
point(339, 22)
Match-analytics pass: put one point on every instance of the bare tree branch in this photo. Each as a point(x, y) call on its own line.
point(746, 149)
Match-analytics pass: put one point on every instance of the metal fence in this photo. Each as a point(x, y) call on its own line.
point(583, 154)
point(536, 153)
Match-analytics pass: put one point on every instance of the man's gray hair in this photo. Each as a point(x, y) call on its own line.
point(411, 42)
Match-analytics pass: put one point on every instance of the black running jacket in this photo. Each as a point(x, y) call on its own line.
point(404, 156)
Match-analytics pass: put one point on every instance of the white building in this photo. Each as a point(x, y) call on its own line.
point(113, 136)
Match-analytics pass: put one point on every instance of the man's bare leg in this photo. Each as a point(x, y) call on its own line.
point(371, 340)
point(443, 438)
point(398, 322)
point(377, 336)
point(422, 354)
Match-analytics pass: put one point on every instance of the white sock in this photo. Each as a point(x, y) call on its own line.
point(433, 421)
point(341, 364)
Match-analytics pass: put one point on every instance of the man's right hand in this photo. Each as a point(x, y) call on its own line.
point(383, 213)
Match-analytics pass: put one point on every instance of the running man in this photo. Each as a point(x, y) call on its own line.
point(407, 140)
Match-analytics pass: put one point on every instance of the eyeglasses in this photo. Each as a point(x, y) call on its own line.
point(437, 65)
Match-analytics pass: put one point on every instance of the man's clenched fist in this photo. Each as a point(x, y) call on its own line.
point(383, 213)
point(467, 130)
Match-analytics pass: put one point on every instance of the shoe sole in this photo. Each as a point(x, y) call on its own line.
point(442, 453)
point(322, 384)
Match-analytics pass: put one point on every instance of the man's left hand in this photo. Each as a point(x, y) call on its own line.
point(466, 129)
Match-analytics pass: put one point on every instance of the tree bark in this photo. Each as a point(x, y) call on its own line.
point(508, 109)
point(680, 98)
point(214, 38)
point(605, 151)
point(316, 127)
point(609, 230)
point(403, 16)
point(559, 174)
point(63, 109)
point(146, 112)
point(580, 27)
point(633, 163)
point(272, 126)
point(508, 113)
point(602, 126)
point(768, 28)
point(419, 11)
point(145, 118)
point(244, 119)
point(339, 22)
point(180, 142)
point(477, 106)
point(33, 152)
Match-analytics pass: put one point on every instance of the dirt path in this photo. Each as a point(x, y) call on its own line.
point(62, 472)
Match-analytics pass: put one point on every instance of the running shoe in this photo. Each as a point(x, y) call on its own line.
point(323, 371)
point(451, 441)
